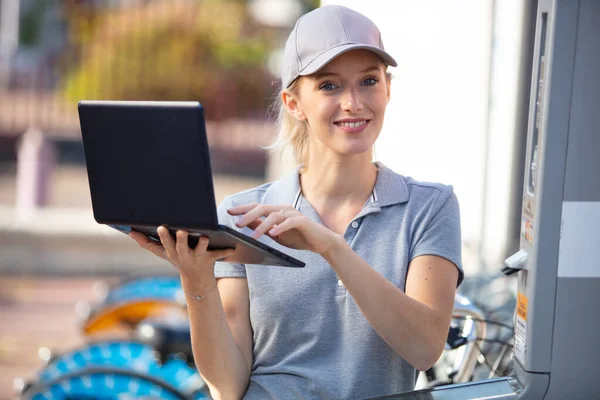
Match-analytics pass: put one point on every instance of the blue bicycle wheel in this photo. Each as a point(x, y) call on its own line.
point(107, 383)
point(134, 357)
point(150, 287)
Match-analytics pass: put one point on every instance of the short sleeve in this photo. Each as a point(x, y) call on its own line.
point(226, 269)
point(441, 236)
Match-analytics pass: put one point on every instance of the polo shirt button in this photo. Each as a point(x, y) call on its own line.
point(340, 283)
point(355, 224)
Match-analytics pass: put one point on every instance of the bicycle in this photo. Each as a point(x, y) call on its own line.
point(479, 344)
point(158, 353)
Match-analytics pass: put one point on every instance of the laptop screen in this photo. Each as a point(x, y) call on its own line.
point(148, 163)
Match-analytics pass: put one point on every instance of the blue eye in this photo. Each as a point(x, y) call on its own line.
point(327, 86)
point(370, 82)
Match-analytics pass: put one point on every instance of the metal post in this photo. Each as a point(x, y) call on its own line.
point(35, 163)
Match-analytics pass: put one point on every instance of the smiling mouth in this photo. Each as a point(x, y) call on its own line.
point(356, 124)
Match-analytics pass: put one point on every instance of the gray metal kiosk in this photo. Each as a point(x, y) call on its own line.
point(558, 322)
point(557, 327)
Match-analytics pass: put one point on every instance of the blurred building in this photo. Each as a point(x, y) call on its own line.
point(55, 53)
point(223, 53)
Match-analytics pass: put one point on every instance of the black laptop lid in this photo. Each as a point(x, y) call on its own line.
point(148, 163)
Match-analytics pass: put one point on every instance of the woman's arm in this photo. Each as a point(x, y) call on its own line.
point(222, 337)
point(415, 324)
point(219, 321)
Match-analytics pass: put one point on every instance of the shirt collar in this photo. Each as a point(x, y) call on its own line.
point(390, 188)
point(285, 190)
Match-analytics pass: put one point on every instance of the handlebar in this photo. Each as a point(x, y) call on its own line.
point(474, 328)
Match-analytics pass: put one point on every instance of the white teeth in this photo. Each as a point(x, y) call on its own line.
point(352, 124)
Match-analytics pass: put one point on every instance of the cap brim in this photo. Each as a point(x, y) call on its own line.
point(326, 57)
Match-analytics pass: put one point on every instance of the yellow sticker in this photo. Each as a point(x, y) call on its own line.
point(527, 228)
point(522, 306)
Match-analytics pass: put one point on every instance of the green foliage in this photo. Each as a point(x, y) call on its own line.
point(207, 50)
point(30, 23)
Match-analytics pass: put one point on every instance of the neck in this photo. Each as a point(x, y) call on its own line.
point(339, 181)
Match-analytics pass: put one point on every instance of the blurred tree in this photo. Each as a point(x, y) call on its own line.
point(205, 50)
point(31, 22)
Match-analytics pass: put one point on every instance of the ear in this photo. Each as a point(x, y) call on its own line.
point(388, 82)
point(290, 101)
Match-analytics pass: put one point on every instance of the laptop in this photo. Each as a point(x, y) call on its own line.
point(148, 165)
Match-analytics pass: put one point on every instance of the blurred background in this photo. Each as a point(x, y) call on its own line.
point(458, 115)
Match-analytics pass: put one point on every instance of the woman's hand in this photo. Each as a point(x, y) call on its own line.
point(286, 225)
point(194, 265)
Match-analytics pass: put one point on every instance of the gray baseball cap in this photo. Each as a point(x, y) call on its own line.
point(325, 33)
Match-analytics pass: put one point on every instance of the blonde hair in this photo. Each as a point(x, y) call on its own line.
point(290, 131)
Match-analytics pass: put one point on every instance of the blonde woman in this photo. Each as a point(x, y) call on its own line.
point(382, 251)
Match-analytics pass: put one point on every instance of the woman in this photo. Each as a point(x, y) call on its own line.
point(382, 252)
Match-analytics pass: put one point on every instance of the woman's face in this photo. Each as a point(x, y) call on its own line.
point(344, 103)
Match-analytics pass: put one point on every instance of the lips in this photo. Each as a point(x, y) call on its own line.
point(352, 126)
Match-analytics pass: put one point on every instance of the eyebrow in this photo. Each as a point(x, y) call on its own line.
point(326, 74)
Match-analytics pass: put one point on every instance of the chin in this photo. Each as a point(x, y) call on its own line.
point(355, 147)
point(356, 150)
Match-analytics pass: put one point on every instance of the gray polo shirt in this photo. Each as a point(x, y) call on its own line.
point(311, 341)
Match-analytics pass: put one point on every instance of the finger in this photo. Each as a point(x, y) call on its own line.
point(288, 224)
point(167, 241)
point(254, 224)
point(251, 214)
point(156, 249)
point(141, 239)
point(267, 224)
point(202, 245)
point(241, 209)
point(182, 245)
point(281, 216)
point(288, 214)
point(217, 255)
point(262, 210)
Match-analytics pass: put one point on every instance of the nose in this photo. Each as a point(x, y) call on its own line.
point(351, 101)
